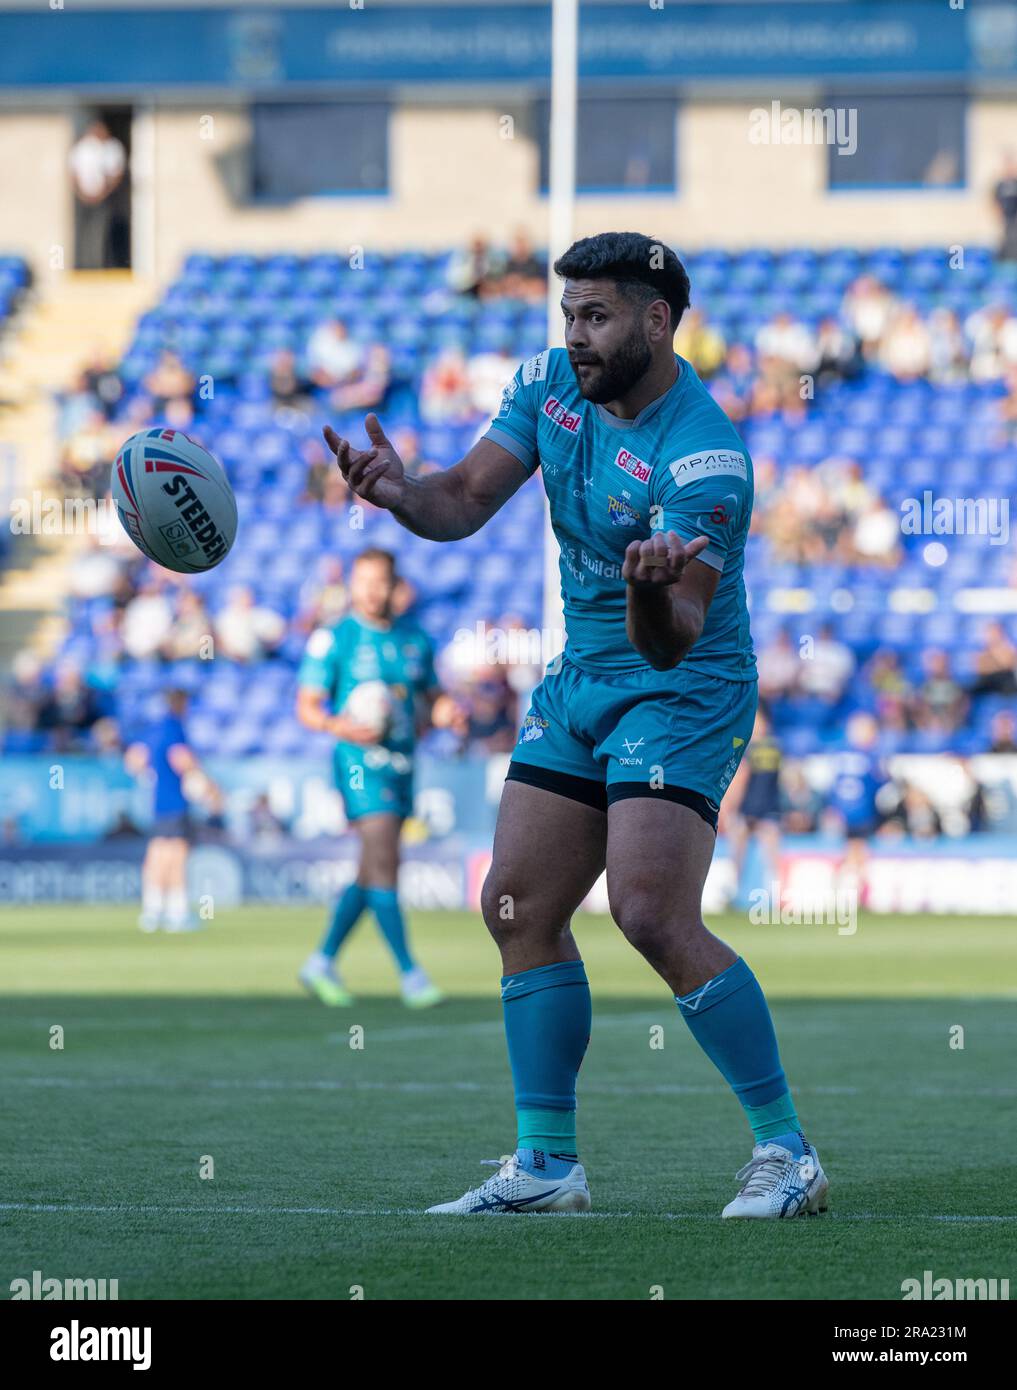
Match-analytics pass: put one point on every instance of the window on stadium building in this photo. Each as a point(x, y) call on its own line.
point(623, 144)
point(908, 141)
point(343, 149)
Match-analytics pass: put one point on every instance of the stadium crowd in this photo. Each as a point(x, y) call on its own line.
point(823, 514)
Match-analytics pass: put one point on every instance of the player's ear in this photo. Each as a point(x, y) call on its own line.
point(659, 321)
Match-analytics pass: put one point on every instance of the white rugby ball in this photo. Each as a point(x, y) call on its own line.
point(370, 704)
point(174, 500)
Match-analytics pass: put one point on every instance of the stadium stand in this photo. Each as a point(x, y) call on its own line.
point(860, 379)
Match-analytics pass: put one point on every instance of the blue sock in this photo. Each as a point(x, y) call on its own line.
point(547, 1028)
point(384, 903)
point(794, 1141)
point(729, 1019)
point(345, 916)
point(546, 1165)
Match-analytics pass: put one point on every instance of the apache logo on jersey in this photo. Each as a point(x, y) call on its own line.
point(636, 468)
point(566, 419)
point(708, 463)
point(535, 368)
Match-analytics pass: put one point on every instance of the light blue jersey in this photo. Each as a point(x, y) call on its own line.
point(340, 658)
point(679, 466)
point(379, 778)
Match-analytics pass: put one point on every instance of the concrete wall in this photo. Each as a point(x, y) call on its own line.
point(452, 172)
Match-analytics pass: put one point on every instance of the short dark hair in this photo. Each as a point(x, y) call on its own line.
point(375, 552)
point(637, 263)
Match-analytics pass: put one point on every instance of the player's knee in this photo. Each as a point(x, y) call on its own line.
point(498, 906)
point(650, 925)
point(510, 912)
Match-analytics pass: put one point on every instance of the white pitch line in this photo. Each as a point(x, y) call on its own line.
point(399, 1087)
point(436, 1087)
point(143, 1209)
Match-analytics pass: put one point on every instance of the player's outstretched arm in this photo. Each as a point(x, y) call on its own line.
point(667, 599)
point(442, 506)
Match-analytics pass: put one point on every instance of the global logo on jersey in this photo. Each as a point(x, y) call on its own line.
point(636, 468)
point(621, 512)
point(566, 419)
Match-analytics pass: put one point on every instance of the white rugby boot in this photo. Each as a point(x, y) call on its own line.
point(775, 1184)
point(513, 1189)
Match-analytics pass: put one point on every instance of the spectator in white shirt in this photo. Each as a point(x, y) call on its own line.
point(98, 163)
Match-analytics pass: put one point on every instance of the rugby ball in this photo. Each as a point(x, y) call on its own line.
point(370, 704)
point(174, 500)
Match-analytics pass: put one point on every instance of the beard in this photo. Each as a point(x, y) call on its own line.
point(612, 377)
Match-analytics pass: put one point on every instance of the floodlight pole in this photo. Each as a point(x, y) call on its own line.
point(561, 211)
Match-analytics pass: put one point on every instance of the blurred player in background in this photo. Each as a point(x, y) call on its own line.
point(165, 754)
point(854, 798)
point(636, 731)
point(373, 762)
point(752, 804)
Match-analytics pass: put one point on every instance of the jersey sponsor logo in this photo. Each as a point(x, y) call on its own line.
point(721, 514)
point(621, 512)
point(636, 468)
point(535, 368)
point(709, 463)
point(565, 418)
point(507, 397)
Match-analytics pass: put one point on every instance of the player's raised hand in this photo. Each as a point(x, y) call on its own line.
point(661, 559)
point(377, 473)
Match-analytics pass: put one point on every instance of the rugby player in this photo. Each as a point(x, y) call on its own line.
point(634, 735)
point(374, 773)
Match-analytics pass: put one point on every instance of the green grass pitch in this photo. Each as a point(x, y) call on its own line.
point(182, 1047)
